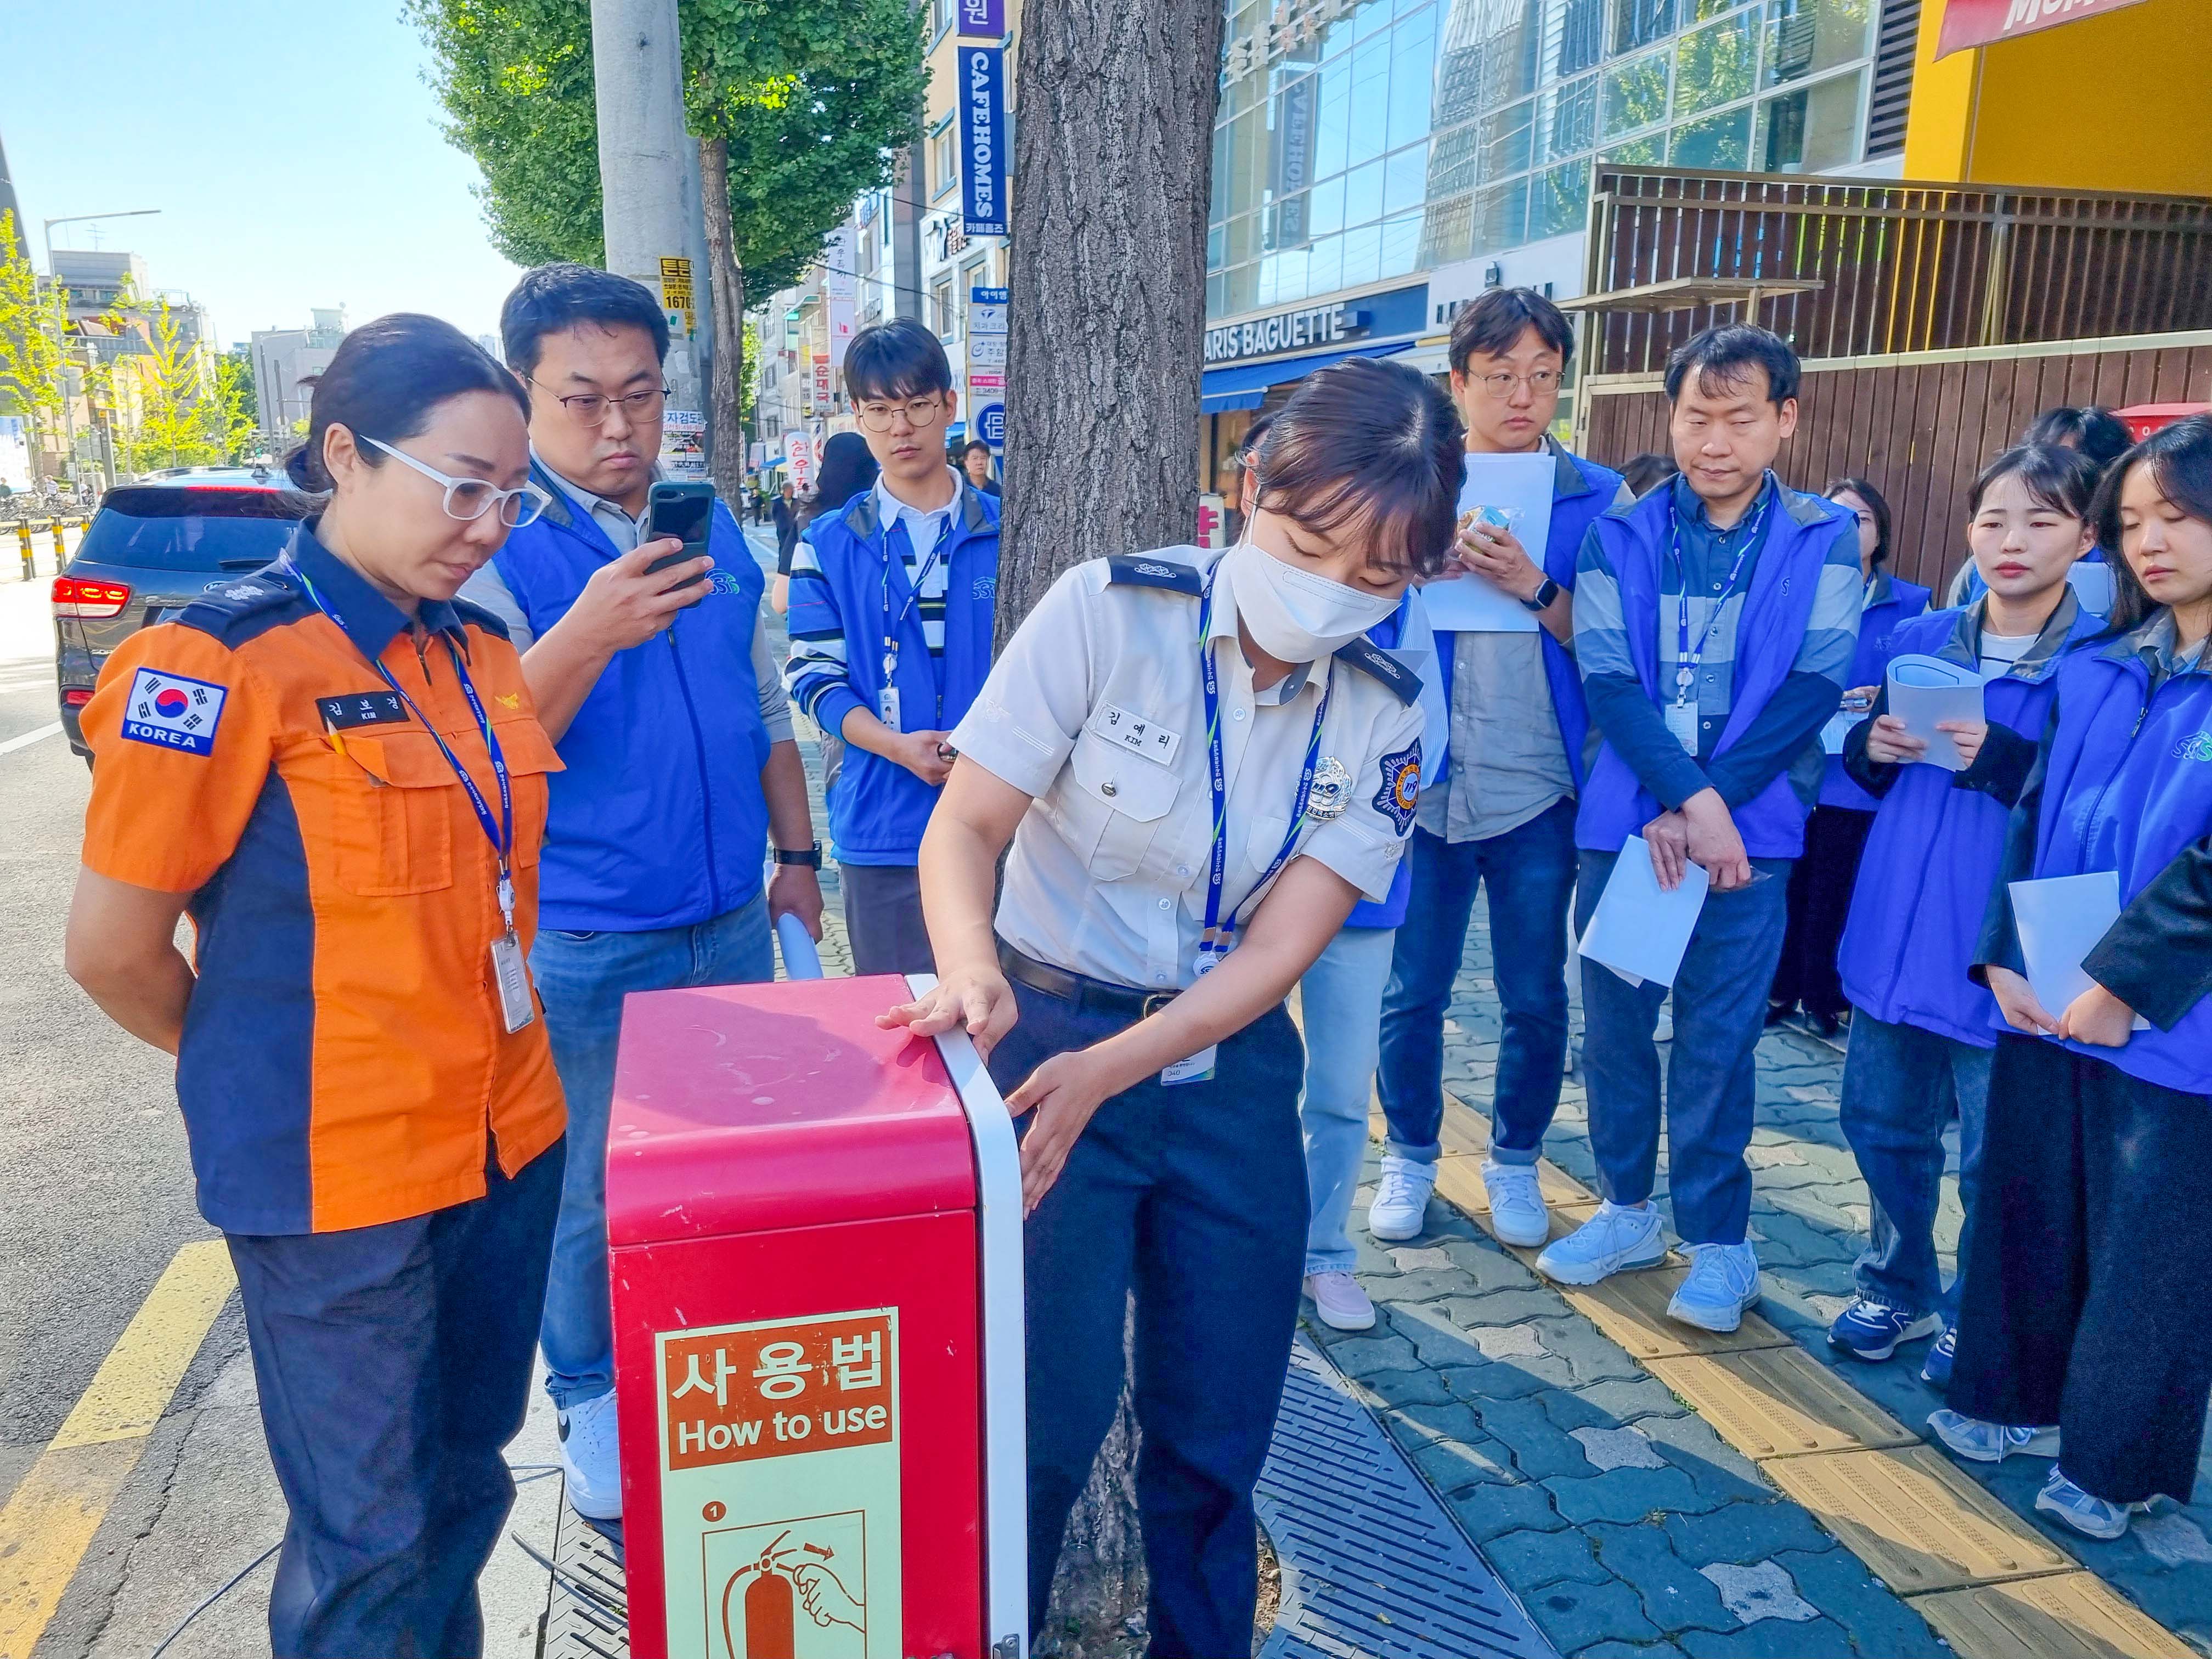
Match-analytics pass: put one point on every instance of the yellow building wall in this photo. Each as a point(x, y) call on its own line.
point(2120, 102)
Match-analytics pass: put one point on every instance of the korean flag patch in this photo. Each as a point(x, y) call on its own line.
point(1402, 786)
point(172, 712)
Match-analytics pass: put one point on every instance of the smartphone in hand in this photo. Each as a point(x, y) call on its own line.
point(684, 510)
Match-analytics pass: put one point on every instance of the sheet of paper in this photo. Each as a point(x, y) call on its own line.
point(1840, 723)
point(1515, 490)
point(2093, 586)
point(1925, 689)
point(1636, 930)
point(2060, 919)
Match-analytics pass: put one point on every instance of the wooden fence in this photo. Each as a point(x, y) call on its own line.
point(1901, 267)
point(1920, 426)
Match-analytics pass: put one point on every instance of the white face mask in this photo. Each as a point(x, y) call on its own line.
point(1294, 616)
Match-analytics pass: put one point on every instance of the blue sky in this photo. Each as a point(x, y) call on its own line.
point(293, 150)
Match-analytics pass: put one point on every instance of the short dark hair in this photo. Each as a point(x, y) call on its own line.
point(845, 470)
point(898, 359)
point(2093, 429)
point(972, 446)
point(1645, 471)
point(2062, 479)
point(1722, 359)
point(553, 299)
point(384, 381)
point(1369, 442)
point(1494, 324)
point(2179, 457)
point(1876, 503)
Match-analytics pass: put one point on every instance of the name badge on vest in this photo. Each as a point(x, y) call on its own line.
point(361, 709)
point(1682, 721)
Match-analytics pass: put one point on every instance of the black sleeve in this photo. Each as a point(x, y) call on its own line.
point(2157, 957)
point(1999, 946)
point(1876, 777)
point(2000, 770)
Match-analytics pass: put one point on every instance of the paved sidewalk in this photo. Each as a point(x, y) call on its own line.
point(1626, 1524)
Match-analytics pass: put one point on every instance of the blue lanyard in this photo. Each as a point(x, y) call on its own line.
point(1687, 661)
point(498, 831)
point(1220, 934)
point(893, 623)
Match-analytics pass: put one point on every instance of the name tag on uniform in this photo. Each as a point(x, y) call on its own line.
point(513, 978)
point(361, 709)
point(1136, 734)
point(1682, 721)
point(1198, 1067)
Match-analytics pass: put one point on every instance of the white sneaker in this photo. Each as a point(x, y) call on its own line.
point(590, 1456)
point(1980, 1442)
point(1401, 1209)
point(2090, 1515)
point(1723, 1281)
point(1614, 1238)
point(1517, 1214)
point(1342, 1305)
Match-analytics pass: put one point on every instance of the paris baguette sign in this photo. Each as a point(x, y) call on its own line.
point(1984, 22)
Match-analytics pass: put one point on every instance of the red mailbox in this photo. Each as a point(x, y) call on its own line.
point(815, 1230)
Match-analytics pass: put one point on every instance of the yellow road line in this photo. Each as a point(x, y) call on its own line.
point(50, 1520)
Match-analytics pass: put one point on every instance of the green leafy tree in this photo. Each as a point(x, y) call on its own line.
point(799, 106)
point(237, 409)
point(33, 322)
point(172, 413)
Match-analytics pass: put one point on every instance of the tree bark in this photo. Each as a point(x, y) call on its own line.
point(1113, 152)
point(726, 288)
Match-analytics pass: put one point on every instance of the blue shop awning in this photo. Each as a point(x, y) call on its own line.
point(1244, 386)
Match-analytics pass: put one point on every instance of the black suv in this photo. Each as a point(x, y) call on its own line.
point(152, 548)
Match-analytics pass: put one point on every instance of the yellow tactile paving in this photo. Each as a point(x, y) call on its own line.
point(1631, 1309)
point(1915, 1520)
point(1779, 1402)
point(2072, 1615)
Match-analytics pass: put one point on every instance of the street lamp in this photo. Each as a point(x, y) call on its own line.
point(68, 412)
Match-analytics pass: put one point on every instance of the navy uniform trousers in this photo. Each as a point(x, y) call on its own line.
point(1194, 1198)
point(393, 1363)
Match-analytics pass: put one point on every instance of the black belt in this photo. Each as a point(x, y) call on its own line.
point(1080, 989)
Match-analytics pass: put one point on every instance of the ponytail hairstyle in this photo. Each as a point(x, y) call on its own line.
point(1373, 444)
point(386, 378)
point(2180, 459)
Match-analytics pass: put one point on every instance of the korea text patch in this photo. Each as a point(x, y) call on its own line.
point(172, 712)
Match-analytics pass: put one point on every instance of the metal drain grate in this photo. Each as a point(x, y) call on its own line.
point(1373, 1564)
point(587, 1610)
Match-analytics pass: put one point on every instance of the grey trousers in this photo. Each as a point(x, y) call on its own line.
point(883, 919)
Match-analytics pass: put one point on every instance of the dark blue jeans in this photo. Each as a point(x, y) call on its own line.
point(1194, 1198)
point(1529, 873)
point(582, 978)
point(1901, 1083)
point(394, 1365)
point(1720, 1009)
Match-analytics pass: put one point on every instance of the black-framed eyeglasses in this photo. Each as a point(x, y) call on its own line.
point(590, 408)
point(919, 412)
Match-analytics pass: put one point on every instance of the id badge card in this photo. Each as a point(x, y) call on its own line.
point(1198, 1067)
point(887, 708)
point(1682, 721)
point(509, 974)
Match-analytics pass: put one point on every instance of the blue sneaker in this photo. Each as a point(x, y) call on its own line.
point(2090, 1515)
point(1871, 1330)
point(1937, 1367)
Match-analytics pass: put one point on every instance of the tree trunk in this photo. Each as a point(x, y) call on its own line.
point(1113, 153)
point(1113, 150)
point(725, 290)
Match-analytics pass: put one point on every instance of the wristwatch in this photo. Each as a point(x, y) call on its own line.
point(1545, 595)
point(810, 856)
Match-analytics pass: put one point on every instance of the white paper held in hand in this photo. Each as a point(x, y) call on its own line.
point(1515, 490)
point(1925, 689)
point(1638, 930)
point(2060, 919)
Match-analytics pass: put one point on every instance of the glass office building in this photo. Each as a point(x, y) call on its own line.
point(1364, 145)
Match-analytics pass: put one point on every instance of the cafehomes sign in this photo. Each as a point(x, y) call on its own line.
point(1286, 331)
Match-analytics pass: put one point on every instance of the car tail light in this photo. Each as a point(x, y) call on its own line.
point(75, 699)
point(76, 596)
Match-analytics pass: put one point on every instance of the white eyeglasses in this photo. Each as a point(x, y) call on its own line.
point(470, 499)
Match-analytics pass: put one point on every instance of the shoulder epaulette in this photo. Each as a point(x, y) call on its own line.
point(1136, 570)
point(1370, 658)
point(235, 611)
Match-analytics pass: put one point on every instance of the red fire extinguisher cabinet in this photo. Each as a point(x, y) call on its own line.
point(815, 1239)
